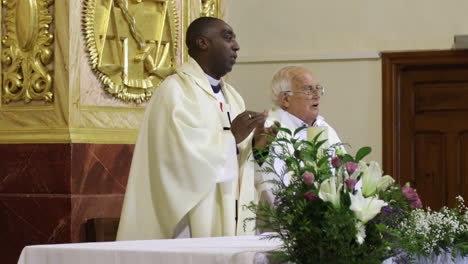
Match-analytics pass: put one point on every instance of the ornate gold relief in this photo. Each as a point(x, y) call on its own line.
point(26, 51)
point(210, 8)
point(132, 44)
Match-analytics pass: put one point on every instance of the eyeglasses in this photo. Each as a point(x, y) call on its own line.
point(310, 90)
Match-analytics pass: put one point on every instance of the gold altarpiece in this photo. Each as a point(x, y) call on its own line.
point(81, 71)
point(75, 79)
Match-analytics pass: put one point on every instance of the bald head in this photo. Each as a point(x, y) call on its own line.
point(212, 43)
point(295, 90)
point(283, 80)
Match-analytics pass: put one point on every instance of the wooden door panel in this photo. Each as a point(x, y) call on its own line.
point(439, 121)
point(441, 96)
point(464, 164)
point(406, 126)
point(452, 167)
point(425, 122)
point(429, 168)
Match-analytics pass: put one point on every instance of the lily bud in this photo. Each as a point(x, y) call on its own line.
point(351, 167)
point(336, 162)
point(310, 196)
point(350, 183)
point(308, 178)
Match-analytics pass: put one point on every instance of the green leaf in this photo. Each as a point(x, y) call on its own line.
point(282, 140)
point(317, 136)
point(285, 130)
point(362, 152)
point(347, 158)
point(323, 161)
point(297, 144)
point(293, 140)
point(299, 130)
point(308, 144)
point(321, 142)
point(306, 156)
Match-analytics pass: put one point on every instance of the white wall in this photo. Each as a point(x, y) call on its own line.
point(340, 42)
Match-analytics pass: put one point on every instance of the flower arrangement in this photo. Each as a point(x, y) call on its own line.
point(331, 207)
point(428, 234)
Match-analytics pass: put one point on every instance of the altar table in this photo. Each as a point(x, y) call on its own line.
point(240, 249)
point(220, 250)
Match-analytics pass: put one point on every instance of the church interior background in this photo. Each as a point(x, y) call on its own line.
point(76, 75)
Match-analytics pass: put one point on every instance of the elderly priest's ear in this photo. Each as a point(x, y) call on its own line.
point(191, 171)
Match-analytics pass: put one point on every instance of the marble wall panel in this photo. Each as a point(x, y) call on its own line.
point(64, 168)
point(100, 168)
point(48, 191)
point(35, 168)
point(32, 219)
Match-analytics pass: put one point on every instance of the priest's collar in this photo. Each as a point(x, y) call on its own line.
point(297, 122)
point(212, 80)
point(215, 84)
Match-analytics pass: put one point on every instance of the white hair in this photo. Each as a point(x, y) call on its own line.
point(282, 81)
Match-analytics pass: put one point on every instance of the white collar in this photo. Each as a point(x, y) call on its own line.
point(297, 122)
point(213, 81)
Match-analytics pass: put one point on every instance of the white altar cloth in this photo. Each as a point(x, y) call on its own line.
point(240, 249)
point(236, 250)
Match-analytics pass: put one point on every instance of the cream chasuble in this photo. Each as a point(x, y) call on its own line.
point(182, 146)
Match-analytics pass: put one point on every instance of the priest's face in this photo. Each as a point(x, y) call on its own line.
point(304, 99)
point(222, 49)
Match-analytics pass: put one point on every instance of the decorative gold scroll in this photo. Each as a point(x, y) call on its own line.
point(132, 44)
point(26, 51)
point(210, 8)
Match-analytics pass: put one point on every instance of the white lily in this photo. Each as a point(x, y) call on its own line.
point(365, 208)
point(372, 180)
point(330, 192)
point(361, 232)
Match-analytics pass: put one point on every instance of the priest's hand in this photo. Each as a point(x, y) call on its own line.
point(245, 123)
point(261, 135)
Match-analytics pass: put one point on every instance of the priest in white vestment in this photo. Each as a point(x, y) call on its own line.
point(192, 158)
point(296, 97)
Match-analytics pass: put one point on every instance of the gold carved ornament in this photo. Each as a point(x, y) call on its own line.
point(132, 44)
point(209, 8)
point(26, 51)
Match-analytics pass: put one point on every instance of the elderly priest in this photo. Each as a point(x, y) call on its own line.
point(295, 94)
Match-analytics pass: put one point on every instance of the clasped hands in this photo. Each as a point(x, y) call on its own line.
point(247, 121)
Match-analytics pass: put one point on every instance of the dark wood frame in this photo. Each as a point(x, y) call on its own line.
point(101, 229)
point(392, 64)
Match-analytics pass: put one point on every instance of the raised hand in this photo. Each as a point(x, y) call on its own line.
point(261, 134)
point(245, 123)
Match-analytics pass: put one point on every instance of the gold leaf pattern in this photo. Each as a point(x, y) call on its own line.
point(26, 51)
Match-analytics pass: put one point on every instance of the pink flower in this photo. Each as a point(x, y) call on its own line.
point(412, 196)
point(350, 183)
point(308, 177)
point(310, 196)
point(336, 162)
point(351, 167)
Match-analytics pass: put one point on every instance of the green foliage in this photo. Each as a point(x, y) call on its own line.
point(362, 152)
point(314, 231)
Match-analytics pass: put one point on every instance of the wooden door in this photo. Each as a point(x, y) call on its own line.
point(425, 123)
